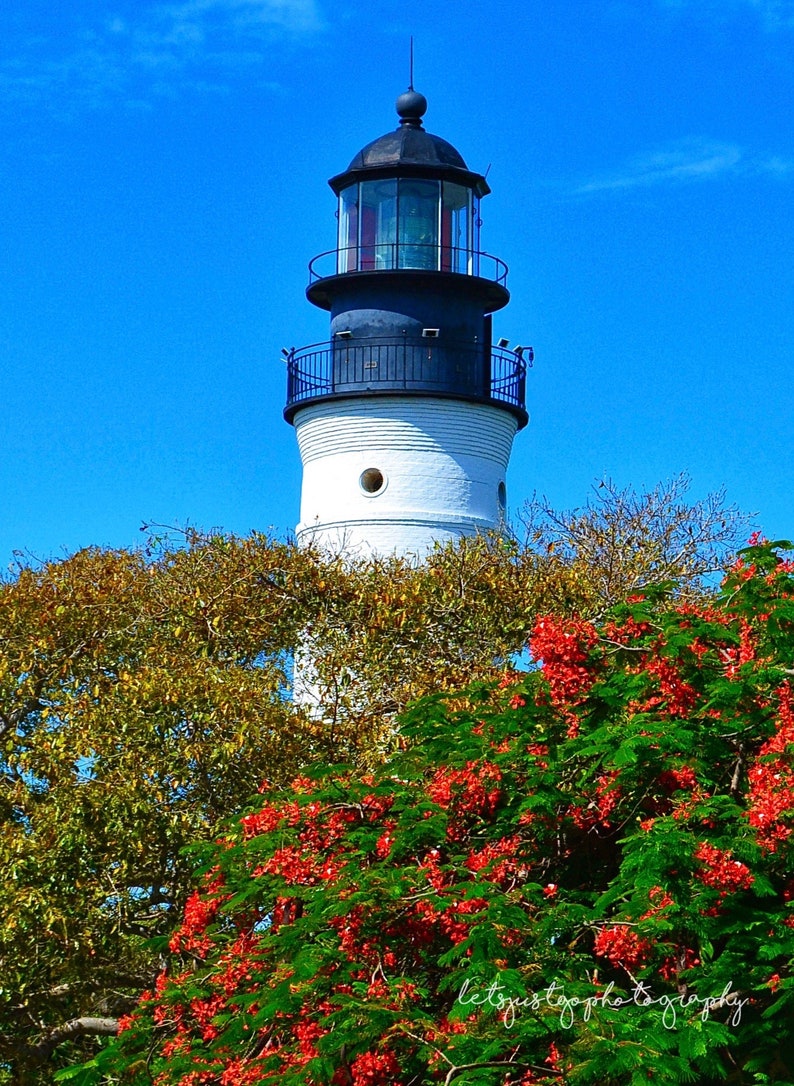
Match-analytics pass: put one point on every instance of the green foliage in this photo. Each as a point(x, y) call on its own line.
point(585, 875)
point(141, 697)
point(145, 695)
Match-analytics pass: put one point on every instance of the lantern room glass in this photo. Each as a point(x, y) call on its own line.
point(408, 223)
point(347, 245)
point(378, 225)
point(418, 225)
point(455, 228)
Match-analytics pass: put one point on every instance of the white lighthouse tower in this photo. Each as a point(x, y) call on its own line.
point(405, 419)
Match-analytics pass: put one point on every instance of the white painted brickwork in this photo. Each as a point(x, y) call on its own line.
point(442, 462)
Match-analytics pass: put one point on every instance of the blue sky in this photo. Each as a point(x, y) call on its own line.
point(164, 170)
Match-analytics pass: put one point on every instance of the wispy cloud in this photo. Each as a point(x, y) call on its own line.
point(686, 162)
point(156, 52)
point(773, 14)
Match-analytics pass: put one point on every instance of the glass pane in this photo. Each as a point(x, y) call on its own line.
point(347, 246)
point(476, 223)
point(455, 216)
point(419, 209)
point(378, 225)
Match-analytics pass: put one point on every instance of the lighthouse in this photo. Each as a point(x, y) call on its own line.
point(405, 418)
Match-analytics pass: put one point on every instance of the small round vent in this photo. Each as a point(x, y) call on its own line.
point(372, 481)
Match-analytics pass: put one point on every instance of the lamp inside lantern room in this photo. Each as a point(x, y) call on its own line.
point(408, 223)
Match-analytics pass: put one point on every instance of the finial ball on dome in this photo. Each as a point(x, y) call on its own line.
point(411, 107)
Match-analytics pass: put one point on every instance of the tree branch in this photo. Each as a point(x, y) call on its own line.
point(735, 789)
point(77, 1027)
point(496, 1063)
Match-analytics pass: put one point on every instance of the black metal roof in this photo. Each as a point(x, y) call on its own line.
point(405, 145)
point(410, 150)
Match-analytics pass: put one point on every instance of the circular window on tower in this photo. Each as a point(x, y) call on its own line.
point(372, 482)
point(501, 497)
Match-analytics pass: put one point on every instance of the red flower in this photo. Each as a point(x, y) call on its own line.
point(472, 790)
point(199, 913)
point(375, 1069)
point(720, 871)
point(771, 794)
point(598, 810)
point(622, 946)
point(241, 1072)
point(498, 858)
point(673, 779)
point(563, 646)
point(676, 697)
point(261, 822)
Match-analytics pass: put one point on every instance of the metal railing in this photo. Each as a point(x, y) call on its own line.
point(413, 364)
point(404, 256)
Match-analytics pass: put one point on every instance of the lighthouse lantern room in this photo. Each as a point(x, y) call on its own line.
point(405, 418)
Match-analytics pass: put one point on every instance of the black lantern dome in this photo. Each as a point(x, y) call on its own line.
point(411, 149)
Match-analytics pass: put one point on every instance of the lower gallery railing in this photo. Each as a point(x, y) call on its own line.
point(408, 364)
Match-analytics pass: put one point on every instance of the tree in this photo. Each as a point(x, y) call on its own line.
point(620, 540)
point(141, 698)
point(144, 696)
point(388, 633)
point(587, 878)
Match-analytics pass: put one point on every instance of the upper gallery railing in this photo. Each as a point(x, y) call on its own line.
point(399, 256)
